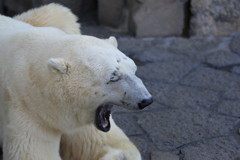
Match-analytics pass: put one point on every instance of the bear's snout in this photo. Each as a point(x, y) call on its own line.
point(145, 102)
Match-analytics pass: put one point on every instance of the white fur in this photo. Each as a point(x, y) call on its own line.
point(92, 144)
point(52, 15)
point(51, 83)
point(58, 65)
point(113, 41)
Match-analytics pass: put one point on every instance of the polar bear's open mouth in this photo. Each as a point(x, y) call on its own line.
point(102, 121)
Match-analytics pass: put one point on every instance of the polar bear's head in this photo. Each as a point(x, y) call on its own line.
point(97, 76)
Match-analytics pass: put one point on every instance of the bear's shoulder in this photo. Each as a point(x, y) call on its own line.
point(8, 24)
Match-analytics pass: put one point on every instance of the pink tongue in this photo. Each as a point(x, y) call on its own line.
point(105, 123)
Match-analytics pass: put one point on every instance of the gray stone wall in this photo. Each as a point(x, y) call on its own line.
point(147, 18)
point(144, 18)
point(215, 17)
point(161, 18)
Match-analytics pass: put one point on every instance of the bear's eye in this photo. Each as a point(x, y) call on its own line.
point(116, 76)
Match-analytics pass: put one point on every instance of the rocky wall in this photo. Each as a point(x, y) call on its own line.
point(147, 18)
point(215, 17)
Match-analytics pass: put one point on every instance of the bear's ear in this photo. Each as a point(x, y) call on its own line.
point(113, 41)
point(58, 65)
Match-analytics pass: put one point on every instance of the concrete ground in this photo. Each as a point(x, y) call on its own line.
point(196, 86)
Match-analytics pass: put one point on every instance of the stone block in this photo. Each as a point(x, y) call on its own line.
point(127, 123)
point(156, 18)
point(209, 78)
point(173, 128)
point(159, 155)
point(140, 45)
point(230, 108)
point(225, 148)
point(167, 71)
point(215, 17)
point(142, 144)
point(195, 47)
point(235, 44)
point(186, 97)
point(147, 54)
point(232, 95)
point(236, 70)
point(110, 12)
point(221, 58)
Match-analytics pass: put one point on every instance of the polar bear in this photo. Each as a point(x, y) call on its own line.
point(57, 89)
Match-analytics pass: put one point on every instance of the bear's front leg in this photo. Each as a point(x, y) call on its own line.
point(25, 139)
point(92, 144)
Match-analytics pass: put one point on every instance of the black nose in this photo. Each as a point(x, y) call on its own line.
point(144, 103)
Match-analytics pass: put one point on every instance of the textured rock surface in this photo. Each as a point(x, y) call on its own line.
point(124, 120)
point(174, 129)
point(190, 97)
point(215, 17)
point(196, 89)
point(163, 156)
point(235, 44)
point(236, 70)
point(233, 94)
point(223, 58)
point(210, 78)
point(169, 71)
point(230, 108)
point(227, 148)
point(157, 18)
point(195, 47)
